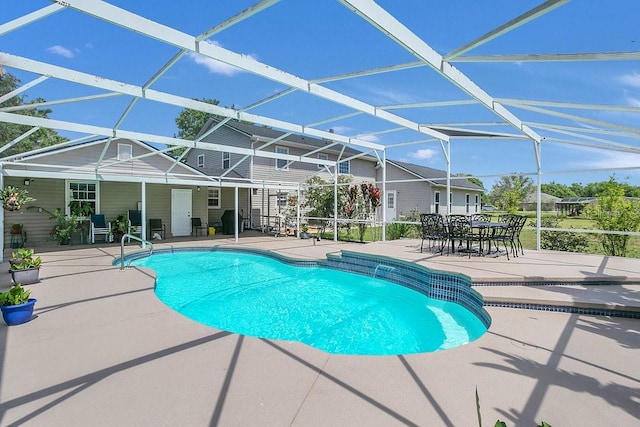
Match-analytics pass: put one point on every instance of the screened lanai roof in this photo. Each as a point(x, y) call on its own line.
point(483, 88)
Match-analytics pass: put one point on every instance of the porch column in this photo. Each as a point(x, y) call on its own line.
point(143, 214)
point(298, 212)
point(384, 195)
point(235, 217)
point(335, 203)
point(1, 220)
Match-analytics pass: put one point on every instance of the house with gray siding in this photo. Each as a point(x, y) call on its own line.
point(410, 188)
point(113, 176)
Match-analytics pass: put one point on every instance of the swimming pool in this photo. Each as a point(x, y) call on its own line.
point(336, 311)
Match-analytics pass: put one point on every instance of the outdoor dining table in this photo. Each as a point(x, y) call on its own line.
point(491, 227)
point(481, 225)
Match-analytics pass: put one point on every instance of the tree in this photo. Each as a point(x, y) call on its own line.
point(472, 179)
point(613, 212)
point(510, 191)
point(319, 198)
point(558, 190)
point(190, 122)
point(10, 131)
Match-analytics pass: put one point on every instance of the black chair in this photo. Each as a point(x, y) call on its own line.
point(480, 217)
point(156, 226)
point(503, 234)
point(461, 230)
point(521, 220)
point(434, 231)
point(197, 226)
point(134, 223)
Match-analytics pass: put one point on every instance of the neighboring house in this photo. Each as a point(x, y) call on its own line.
point(112, 178)
point(429, 194)
point(425, 193)
point(547, 202)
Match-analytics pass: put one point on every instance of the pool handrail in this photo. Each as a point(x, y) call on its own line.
point(130, 236)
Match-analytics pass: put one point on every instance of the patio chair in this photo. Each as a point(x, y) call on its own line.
point(480, 217)
point(156, 226)
point(197, 226)
point(99, 226)
point(503, 234)
point(134, 223)
point(461, 230)
point(434, 231)
point(521, 220)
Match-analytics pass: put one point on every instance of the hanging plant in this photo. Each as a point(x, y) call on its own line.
point(13, 198)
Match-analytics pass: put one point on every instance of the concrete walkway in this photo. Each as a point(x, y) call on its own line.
point(104, 351)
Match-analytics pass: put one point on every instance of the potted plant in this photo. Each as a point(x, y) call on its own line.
point(119, 227)
point(80, 209)
point(304, 234)
point(16, 306)
point(13, 198)
point(64, 227)
point(25, 268)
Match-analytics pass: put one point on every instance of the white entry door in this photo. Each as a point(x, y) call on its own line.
point(180, 212)
point(390, 206)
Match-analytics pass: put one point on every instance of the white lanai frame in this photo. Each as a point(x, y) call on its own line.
point(372, 13)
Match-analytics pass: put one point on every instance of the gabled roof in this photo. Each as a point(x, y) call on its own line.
point(544, 197)
point(436, 177)
point(267, 133)
point(94, 160)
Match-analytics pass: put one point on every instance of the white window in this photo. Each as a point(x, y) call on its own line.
point(125, 151)
point(322, 157)
point(200, 160)
point(467, 202)
point(282, 164)
point(226, 160)
point(344, 167)
point(80, 194)
point(391, 200)
point(436, 201)
point(213, 198)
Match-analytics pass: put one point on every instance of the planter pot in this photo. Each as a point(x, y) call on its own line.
point(17, 314)
point(304, 235)
point(25, 277)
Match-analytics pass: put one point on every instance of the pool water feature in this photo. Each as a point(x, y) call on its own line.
point(336, 311)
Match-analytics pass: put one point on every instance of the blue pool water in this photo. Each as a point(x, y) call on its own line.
point(335, 311)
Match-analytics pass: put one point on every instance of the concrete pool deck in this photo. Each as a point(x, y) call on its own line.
point(104, 351)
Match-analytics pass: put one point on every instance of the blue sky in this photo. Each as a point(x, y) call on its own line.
point(315, 39)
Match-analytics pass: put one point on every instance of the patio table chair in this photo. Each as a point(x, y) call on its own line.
point(134, 223)
point(100, 226)
point(197, 226)
point(434, 231)
point(503, 234)
point(521, 220)
point(461, 230)
point(156, 226)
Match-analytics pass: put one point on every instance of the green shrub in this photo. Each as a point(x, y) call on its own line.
point(565, 241)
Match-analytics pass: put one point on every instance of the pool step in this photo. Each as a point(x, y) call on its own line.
point(605, 300)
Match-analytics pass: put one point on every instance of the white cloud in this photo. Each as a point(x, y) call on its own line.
point(633, 102)
point(215, 66)
point(62, 51)
point(368, 137)
point(631, 79)
point(613, 160)
point(424, 154)
point(342, 130)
